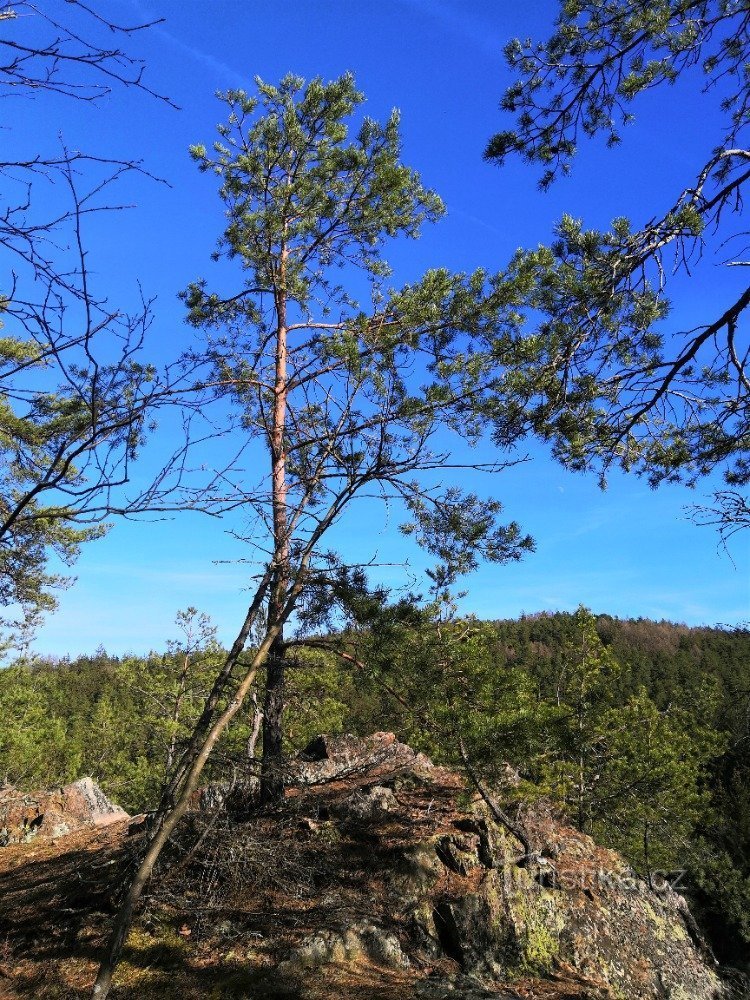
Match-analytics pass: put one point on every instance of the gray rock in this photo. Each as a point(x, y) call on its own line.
point(366, 805)
point(327, 758)
point(383, 947)
point(327, 947)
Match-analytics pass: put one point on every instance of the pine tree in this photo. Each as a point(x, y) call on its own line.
point(333, 400)
point(653, 792)
point(669, 403)
point(585, 687)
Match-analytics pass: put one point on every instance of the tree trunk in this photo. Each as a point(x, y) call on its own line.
point(172, 810)
point(272, 768)
point(272, 774)
point(646, 855)
point(257, 723)
point(176, 713)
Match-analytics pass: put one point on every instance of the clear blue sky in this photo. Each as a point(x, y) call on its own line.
point(629, 551)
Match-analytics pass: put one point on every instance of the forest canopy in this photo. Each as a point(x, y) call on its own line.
point(664, 712)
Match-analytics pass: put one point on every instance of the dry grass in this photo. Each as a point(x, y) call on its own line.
point(222, 915)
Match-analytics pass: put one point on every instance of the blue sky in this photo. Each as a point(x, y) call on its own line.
point(628, 551)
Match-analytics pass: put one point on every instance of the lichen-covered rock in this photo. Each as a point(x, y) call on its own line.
point(379, 876)
point(54, 813)
point(351, 945)
point(456, 885)
point(366, 804)
point(587, 911)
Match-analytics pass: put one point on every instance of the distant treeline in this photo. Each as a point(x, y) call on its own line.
point(639, 730)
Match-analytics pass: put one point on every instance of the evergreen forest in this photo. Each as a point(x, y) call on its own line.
point(636, 731)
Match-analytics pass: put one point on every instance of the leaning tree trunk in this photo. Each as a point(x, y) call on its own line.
point(170, 816)
point(173, 807)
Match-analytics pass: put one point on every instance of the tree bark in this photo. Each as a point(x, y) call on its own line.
point(272, 774)
point(171, 817)
point(257, 723)
point(176, 711)
point(272, 768)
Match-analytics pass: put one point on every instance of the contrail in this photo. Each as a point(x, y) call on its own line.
point(231, 75)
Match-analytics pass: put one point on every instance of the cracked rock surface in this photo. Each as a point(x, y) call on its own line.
point(380, 877)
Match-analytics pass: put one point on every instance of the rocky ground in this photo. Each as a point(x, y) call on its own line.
point(380, 877)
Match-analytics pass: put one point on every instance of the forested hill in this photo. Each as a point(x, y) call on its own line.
point(668, 659)
point(639, 730)
point(702, 675)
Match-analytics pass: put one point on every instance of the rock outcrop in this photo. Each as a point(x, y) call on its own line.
point(380, 877)
point(55, 813)
point(390, 863)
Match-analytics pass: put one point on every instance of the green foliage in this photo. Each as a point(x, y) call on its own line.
point(297, 190)
point(449, 686)
point(118, 720)
point(584, 695)
point(35, 749)
point(653, 792)
point(618, 389)
point(626, 772)
point(637, 728)
point(582, 80)
point(71, 425)
point(320, 692)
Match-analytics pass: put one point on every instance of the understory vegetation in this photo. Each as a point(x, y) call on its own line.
point(637, 730)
